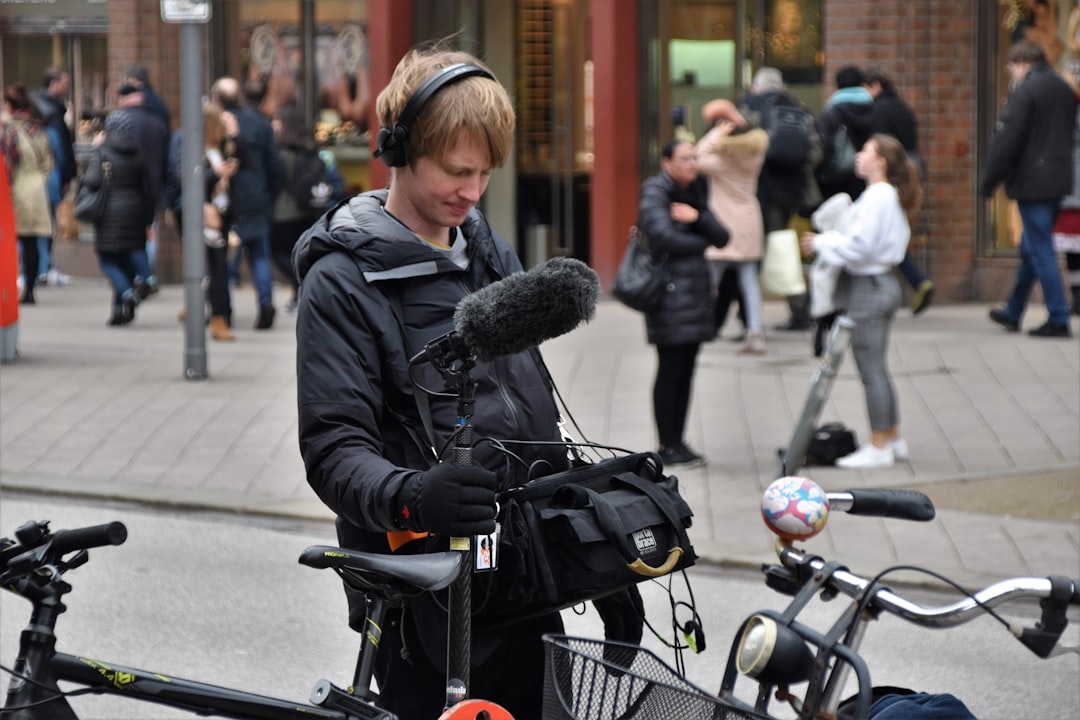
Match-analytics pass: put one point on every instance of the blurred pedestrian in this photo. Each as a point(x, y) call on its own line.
point(674, 216)
point(51, 102)
point(870, 242)
point(129, 207)
point(849, 109)
point(25, 146)
point(786, 185)
point(731, 156)
point(893, 116)
point(152, 137)
point(1031, 153)
point(253, 191)
point(296, 143)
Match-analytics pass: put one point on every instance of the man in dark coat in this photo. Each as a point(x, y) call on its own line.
point(1031, 153)
point(253, 190)
point(381, 276)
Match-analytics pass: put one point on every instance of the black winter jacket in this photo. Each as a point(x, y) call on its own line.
point(893, 116)
point(360, 432)
point(254, 188)
point(859, 121)
point(1032, 147)
point(685, 314)
point(130, 202)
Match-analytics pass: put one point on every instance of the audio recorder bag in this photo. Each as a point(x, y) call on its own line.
point(588, 532)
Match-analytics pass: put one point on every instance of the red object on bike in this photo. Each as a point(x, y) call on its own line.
point(472, 709)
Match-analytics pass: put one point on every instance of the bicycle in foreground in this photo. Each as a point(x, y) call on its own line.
point(37, 564)
point(808, 670)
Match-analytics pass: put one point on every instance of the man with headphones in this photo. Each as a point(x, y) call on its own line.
point(381, 275)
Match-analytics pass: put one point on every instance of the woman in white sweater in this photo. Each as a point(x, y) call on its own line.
point(870, 241)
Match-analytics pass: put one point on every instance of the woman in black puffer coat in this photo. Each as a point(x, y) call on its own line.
point(129, 209)
point(674, 216)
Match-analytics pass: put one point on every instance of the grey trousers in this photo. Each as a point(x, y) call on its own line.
point(872, 305)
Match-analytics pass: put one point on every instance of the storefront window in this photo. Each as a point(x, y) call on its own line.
point(69, 34)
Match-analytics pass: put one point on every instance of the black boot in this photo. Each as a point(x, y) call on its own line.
point(800, 313)
point(266, 317)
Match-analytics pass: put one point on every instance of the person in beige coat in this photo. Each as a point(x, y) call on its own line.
point(29, 160)
point(731, 156)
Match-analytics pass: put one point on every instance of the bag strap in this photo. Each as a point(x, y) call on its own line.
point(663, 500)
point(612, 527)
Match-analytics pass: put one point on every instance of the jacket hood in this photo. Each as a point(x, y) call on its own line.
point(858, 118)
point(381, 246)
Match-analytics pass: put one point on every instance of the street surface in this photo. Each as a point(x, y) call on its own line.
point(220, 598)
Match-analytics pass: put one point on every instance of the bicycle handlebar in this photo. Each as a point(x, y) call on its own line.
point(1055, 592)
point(65, 541)
point(902, 504)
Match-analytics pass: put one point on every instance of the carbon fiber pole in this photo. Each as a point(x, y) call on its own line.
point(459, 630)
point(820, 386)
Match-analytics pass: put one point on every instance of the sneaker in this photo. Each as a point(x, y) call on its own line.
point(794, 324)
point(998, 315)
point(754, 344)
point(868, 457)
point(1051, 330)
point(265, 320)
point(924, 296)
point(680, 456)
point(899, 449)
point(58, 278)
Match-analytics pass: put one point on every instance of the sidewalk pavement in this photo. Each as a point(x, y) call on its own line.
point(88, 410)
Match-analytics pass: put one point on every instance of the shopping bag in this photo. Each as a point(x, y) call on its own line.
point(781, 267)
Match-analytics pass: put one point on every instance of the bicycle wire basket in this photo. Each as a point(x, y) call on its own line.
point(605, 680)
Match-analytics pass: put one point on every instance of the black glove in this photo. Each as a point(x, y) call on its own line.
point(448, 499)
point(623, 614)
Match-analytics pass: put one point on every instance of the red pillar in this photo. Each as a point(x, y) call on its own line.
point(389, 38)
point(615, 180)
point(9, 270)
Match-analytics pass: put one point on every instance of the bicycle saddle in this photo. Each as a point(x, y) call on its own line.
point(426, 572)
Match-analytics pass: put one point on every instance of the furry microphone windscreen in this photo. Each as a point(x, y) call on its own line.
point(523, 310)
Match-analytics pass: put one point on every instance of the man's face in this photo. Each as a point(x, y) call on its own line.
point(439, 194)
point(1017, 71)
point(874, 88)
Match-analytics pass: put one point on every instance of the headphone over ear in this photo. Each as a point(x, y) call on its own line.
point(390, 145)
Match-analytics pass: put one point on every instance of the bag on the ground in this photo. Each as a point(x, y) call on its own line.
point(588, 532)
point(840, 165)
point(94, 190)
point(310, 184)
point(829, 443)
point(781, 273)
point(641, 278)
point(787, 127)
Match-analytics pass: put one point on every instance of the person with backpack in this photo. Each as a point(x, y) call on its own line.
point(845, 125)
point(786, 185)
point(307, 190)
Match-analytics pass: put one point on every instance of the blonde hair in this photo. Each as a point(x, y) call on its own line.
point(477, 107)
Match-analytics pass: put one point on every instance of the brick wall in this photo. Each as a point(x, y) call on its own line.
point(928, 46)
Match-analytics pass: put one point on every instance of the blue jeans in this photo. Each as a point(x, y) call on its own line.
point(257, 248)
point(1038, 261)
point(911, 271)
point(119, 269)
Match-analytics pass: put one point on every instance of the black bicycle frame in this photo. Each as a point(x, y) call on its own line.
point(42, 698)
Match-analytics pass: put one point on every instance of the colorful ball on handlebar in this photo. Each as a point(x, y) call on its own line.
point(795, 508)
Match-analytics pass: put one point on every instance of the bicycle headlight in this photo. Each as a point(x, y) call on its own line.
point(773, 653)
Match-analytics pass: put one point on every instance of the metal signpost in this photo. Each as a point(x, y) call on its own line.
point(192, 14)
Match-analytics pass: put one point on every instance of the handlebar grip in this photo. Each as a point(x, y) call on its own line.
point(65, 541)
point(903, 504)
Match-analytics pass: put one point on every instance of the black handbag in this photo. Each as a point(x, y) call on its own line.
point(641, 278)
point(588, 532)
point(90, 202)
